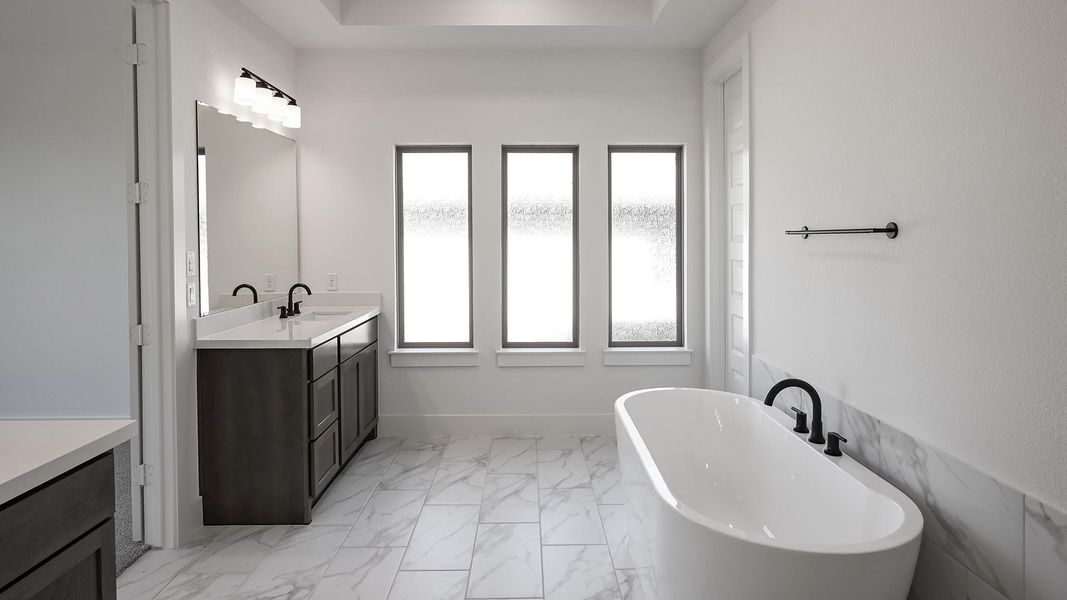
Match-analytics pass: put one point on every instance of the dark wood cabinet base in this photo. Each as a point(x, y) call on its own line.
point(59, 539)
point(275, 426)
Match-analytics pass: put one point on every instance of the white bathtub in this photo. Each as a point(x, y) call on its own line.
point(726, 502)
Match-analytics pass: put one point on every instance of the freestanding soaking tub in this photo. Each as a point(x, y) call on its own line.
point(726, 502)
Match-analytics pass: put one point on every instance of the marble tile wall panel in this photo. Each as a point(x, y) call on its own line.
point(969, 517)
point(1045, 552)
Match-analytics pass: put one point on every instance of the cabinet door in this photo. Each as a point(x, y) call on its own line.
point(350, 423)
point(368, 387)
point(325, 460)
point(324, 401)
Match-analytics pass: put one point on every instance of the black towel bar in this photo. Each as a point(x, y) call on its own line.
point(890, 230)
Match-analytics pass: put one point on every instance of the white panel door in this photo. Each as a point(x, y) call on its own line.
point(735, 128)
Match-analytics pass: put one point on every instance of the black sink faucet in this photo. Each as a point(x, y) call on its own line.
point(296, 310)
point(255, 295)
point(816, 405)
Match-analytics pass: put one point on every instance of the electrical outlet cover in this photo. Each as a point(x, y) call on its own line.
point(190, 264)
point(191, 293)
point(331, 284)
point(268, 279)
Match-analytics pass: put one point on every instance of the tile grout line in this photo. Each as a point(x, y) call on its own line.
point(407, 544)
point(353, 525)
point(175, 576)
point(478, 525)
point(540, 534)
point(604, 529)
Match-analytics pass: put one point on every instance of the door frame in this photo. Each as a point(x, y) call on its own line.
point(151, 110)
point(716, 228)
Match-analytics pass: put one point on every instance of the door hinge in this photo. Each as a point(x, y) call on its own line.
point(137, 193)
point(136, 54)
point(139, 335)
point(141, 475)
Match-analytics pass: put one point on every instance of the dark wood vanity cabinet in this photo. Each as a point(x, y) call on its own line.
point(59, 539)
point(277, 425)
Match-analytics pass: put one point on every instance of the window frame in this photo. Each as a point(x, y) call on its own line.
point(680, 241)
point(573, 150)
point(400, 151)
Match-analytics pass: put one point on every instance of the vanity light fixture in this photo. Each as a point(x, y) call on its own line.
point(265, 98)
point(292, 116)
point(278, 105)
point(261, 99)
point(244, 89)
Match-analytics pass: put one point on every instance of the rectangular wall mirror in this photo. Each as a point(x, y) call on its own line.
point(247, 208)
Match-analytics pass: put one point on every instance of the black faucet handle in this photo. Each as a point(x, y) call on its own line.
point(833, 443)
point(296, 307)
point(802, 421)
point(284, 312)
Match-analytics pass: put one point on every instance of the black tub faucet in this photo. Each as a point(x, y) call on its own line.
point(816, 436)
point(255, 295)
point(296, 310)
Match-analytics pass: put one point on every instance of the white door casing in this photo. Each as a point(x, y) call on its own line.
point(735, 139)
point(727, 228)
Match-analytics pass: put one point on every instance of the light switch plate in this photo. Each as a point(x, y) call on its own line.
point(190, 264)
point(331, 282)
point(190, 293)
point(268, 282)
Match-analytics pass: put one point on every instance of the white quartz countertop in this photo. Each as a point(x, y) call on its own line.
point(35, 452)
point(317, 325)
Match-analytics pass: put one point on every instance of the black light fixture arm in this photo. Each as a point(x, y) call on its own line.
point(246, 71)
point(891, 230)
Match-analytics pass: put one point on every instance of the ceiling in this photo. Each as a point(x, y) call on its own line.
point(496, 23)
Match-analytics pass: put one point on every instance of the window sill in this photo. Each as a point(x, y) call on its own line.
point(648, 357)
point(434, 357)
point(540, 357)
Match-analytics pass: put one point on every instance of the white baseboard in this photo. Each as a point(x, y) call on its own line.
point(496, 424)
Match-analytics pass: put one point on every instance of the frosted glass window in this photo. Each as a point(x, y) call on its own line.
point(434, 288)
point(645, 246)
point(540, 241)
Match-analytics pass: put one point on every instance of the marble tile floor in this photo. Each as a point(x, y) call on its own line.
point(433, 518)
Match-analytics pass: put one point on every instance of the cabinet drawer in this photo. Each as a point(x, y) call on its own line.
point(325, 460)
point(354, 340)
point(322, 358)
point(323, 396)
point(40, 523)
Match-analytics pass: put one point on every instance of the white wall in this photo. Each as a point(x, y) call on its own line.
point(948, 118)
point(66, 121)
point(359, 105)
point(210, 41)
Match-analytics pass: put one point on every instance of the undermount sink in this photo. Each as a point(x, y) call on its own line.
point(321, 315)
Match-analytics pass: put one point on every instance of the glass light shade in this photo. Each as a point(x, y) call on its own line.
point(278, 106)
point(244, 90)
point(292, 116)
point(263, 98)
